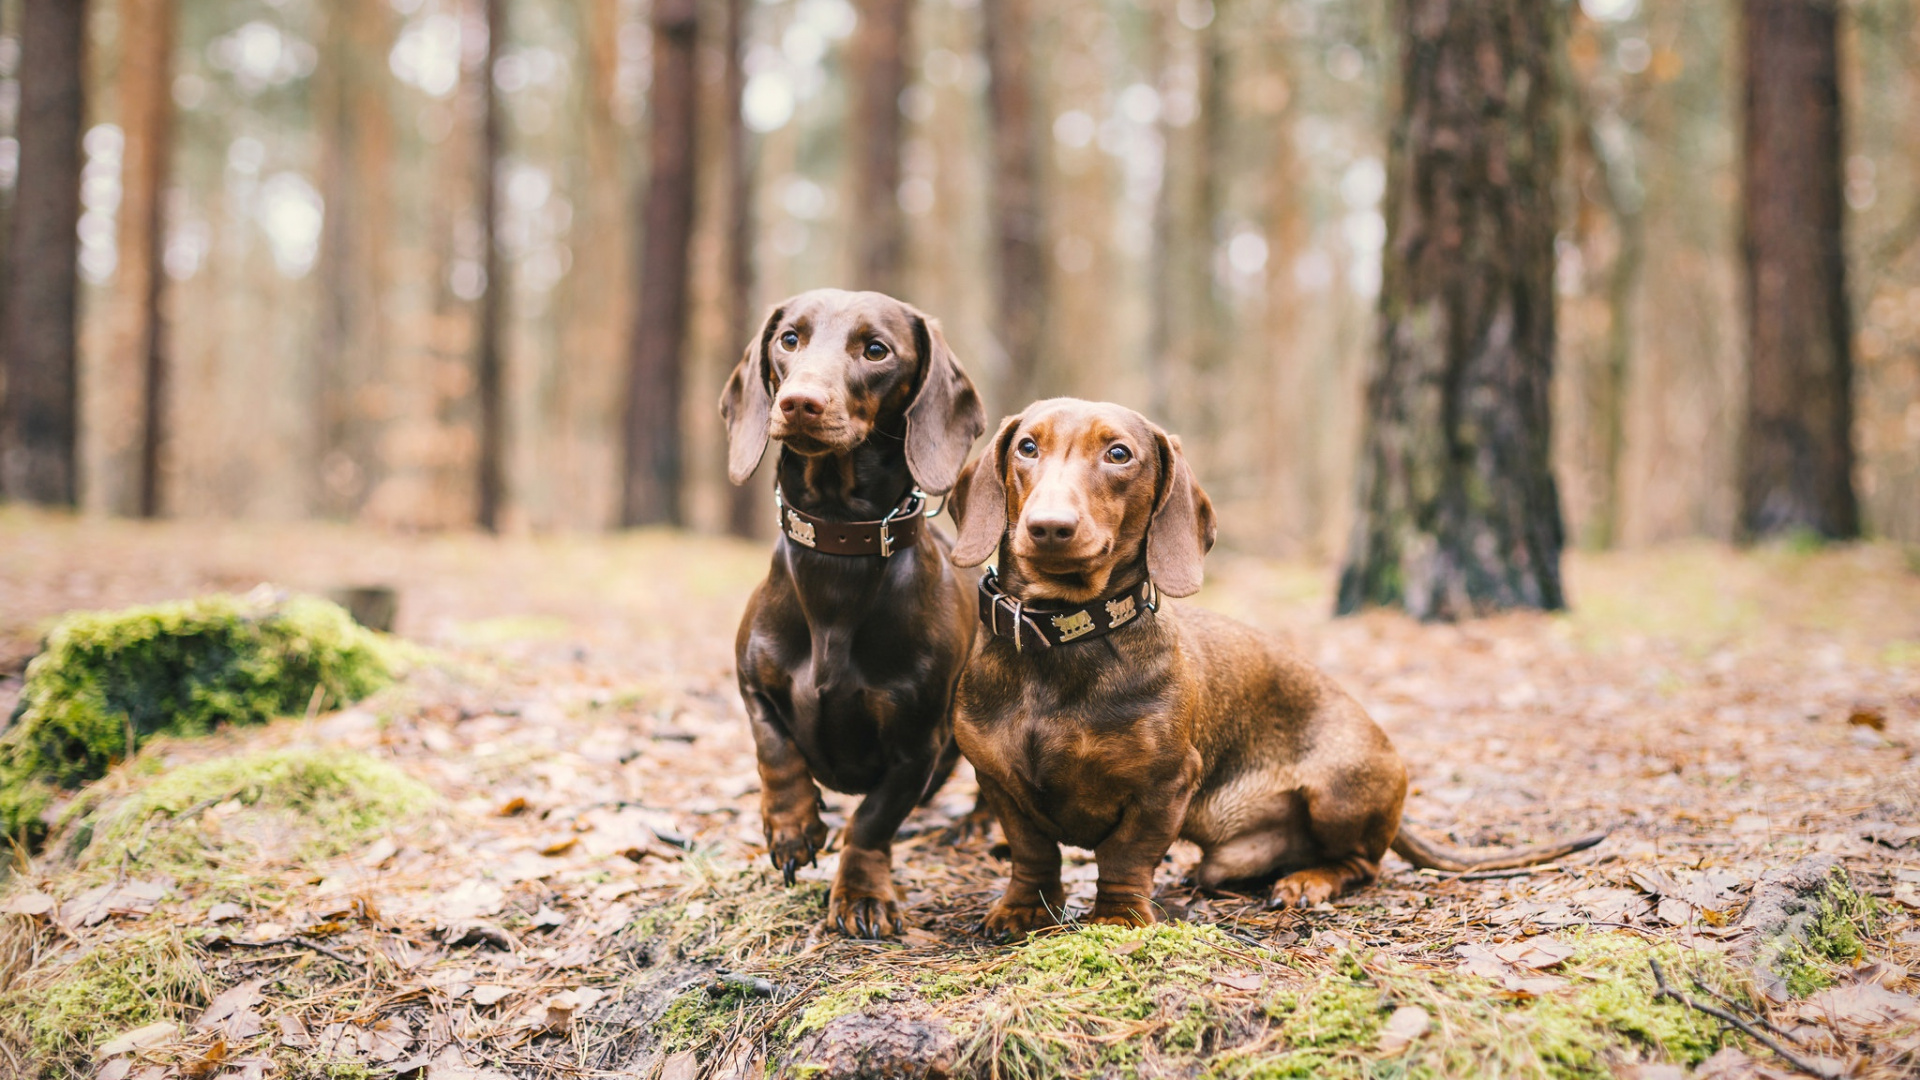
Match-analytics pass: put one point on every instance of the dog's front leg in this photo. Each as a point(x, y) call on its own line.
point(789, 801)
point(1134, 849)
point(864, 903)
point(1034, 896)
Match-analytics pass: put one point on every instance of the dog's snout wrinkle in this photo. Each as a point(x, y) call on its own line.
point(799, 404)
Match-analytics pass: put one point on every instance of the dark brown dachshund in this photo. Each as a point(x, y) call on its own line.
point(1097, 716)
point(849, 652)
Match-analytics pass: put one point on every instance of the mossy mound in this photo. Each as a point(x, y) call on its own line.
point(108, 681)
point(63, 1015)
point(281, 805)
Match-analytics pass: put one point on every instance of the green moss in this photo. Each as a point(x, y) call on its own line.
point(1099, 999)
point(838, 1002)
point(306, 804)
point(1808, 959)
point(697, 1019)
point(1603, 1015)
point(107, 681)
point(111, 989)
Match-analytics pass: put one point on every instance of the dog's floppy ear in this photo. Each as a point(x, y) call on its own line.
point(745, 404)
point(945, 415)
point(1182, 530)
point(980, 500)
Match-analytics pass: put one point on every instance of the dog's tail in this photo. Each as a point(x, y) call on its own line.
point(1430, 854)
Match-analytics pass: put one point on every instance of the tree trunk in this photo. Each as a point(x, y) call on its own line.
point(875, 129)
point(489, 362)
point(1457, 509)
point(351, 363)
point(1797, 459)
point(39, 420)
point(653, 459)
point(146, 100)
point(746, 505)
point(1019, 224)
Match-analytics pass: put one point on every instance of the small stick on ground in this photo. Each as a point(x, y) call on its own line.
point(1664, 990)
point(1742, 1009)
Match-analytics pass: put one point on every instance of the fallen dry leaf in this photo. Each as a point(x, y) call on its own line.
point(488, 994)
point(1407, 1023)
point(154, 1034)
point(30, 903)
point(293, 1032)
point(115, 1069)
point(471, 900)
point(1537, 953)
point(1239, 982)
point(229, 1004)
point(1861, 1005)
point(225, 911)
point(388, 1038)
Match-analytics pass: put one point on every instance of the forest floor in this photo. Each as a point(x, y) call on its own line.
point(582, 889)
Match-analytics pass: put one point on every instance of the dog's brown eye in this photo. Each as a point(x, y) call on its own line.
point(876, 350)
point(1029, 448)
point(1119, 455)
point(790, 340)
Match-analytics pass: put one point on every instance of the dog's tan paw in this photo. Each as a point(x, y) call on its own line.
point(794, 840)
point(1113, 913)
point(1010, 922)
point(1304, 889)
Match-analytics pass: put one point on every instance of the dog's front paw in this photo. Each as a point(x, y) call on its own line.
point(860, 915)
point(794, 840)
point(1304, 889)
point(1011, 922)
point(862, 903)
point(1118, 913)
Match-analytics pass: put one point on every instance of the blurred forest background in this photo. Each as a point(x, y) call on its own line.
point(304, 187)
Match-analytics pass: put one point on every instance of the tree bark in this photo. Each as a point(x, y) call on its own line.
point(1457, 509)
point(146, 108)
point(876, 127)
point(1019, 222)
point(1797, 459)
point(653, 452)
point(489, 364)
point(746, 505)
point(39, 416)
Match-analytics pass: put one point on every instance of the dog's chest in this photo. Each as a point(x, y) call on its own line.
point(1075, 771)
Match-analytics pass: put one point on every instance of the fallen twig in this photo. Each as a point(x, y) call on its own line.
point(1665, 990)
point(305, 943)
point(1749, 1013)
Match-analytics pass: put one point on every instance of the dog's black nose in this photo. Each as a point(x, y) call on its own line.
point(798, 403)
point(1053, 528)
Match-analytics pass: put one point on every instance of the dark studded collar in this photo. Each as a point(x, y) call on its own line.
point(1044, 624)
point(898, 530)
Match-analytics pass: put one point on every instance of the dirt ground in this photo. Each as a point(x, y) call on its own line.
point(591, 897)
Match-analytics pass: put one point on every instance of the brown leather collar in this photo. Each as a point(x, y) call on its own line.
point(898, 530)
point(1045, 624)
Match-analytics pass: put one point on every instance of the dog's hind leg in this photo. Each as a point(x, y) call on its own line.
point(1350, 833)
point(789, 799)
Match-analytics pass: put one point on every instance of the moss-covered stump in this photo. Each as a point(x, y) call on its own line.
point(107, 681)
point(253, 829)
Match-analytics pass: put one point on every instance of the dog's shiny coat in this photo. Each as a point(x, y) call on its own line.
point(1181, 724)
point(848, 664)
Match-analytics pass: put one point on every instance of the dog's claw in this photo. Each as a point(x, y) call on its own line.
point(787, 869)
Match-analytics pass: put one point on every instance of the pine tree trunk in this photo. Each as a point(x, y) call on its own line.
point(1797, 459)
point(38, 425)
point(1457, 509)
point(653, 459)
point(146, 108)
point(489, 361)
point(875, 130)
point(1019, 223)
point(746, 504)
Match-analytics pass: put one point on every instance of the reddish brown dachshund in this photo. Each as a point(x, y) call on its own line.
point(1096, 715)
point(850, 650)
